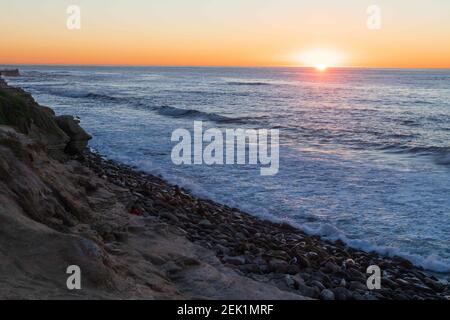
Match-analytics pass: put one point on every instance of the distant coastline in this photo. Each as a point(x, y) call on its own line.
point(9, 72)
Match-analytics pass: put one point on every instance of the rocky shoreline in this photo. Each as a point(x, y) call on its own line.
point(137, 237)
point(267, 251)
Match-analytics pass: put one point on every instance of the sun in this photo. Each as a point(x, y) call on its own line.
point(321, 59)
point(321, 67)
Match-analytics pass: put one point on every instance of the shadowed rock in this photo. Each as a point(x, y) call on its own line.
point(19, 110)
point(78, 137)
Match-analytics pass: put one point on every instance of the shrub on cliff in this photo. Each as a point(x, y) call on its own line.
point(29, 118)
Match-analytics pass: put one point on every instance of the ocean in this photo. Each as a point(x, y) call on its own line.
point(364, 153)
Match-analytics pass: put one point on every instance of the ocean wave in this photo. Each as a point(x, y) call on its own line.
point(424, 150)
point(43, 74)
point(441, 155)
point(77, 94)
point(443, 159)
point(100, 96)
point(196, 114)
point(248, 83)
point(410, 123)
point(330, 232)
point(430, 150)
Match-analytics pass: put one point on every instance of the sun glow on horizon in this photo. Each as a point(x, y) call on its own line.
point(321, 59)
point(321, 67)
point(227, 33)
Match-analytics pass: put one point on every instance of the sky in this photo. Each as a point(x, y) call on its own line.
point(412, 34)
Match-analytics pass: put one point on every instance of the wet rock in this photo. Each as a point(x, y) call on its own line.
point(342, 293)
point(388, 283)
point(189, 262)
point(170, 217)
point(402, 283)
point(136, 229)
point(290, 282)
point(356, 285)
point(303, 262)
point(250, 268)
point(292, 269)
point(205, 223)
point(121, 237)
point(327, 295)
point(357, 296)
point(406, 264)
point(307, 291)
point(331, 267)
point(234, 260)
point(349, 263)
point(422, 288)
point(298, 279)
point(370, 297)
point(278, 266)
point(317, 284)
point(279, 254)
point(356, 275)
point(435, 285)
point(312, 256)
point(222, 249)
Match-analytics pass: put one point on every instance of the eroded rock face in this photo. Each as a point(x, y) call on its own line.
point(60, 134)
point(19, 110)
point(45, 222)
point(78, 137)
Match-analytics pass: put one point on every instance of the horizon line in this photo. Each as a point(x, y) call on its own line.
point(210, 66)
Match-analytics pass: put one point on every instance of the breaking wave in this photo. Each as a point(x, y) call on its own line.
point(77, 94)
point(196, 114)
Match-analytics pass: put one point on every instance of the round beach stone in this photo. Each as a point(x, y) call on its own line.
point(327, 295)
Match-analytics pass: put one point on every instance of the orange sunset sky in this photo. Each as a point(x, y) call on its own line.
point(414, 33)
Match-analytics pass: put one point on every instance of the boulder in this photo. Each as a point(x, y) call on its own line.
point(78, 137)
point(327, 294)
